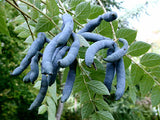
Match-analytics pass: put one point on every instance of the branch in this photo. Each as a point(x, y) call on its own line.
point(25, 20)
point(114, 34)
point(34, 7)
point(13, 5)
point(60, 110)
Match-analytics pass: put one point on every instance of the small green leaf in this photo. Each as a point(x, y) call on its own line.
point(155, 97)
point(65, 73)
point(156, 71)
point(136, 74)
point(96, 10)
point(19, 19)
point(102, 115)
point(128, 34)
point(127, 62)
point(52, 7)
point(24, 34)
point(138, 48)
point(42, 109)
point(150, 59)
point(52, 92)
point(87, 110)
point(3, 25)
point(101, 105)
point(84, 97)
point(37, 85)
point(105, 28)
point(98, 87)
point(83, 41)
point(82, 51)
point(74, 3)
point(44, 24)
point(98, 75)
point(34, 14)
point(37, 3)
point(29, 40)
point(132, 93)
point(82, 11)
point(146, 84)
point(51, 108)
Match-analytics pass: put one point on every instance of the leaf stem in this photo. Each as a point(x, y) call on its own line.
point(34, 7)
point(62, 6)
point(105, 11)
point(143, 70)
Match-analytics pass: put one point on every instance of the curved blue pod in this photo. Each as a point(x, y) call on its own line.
point(72, 53)
point(110, 71)
point(120, 71)
point(119, 53)
point(42, 92)
point(91, 25)
point(93, 37)
point(37, 45)
point(69, 82)
point(60, 55)
point(109, 16)
point(34, 67)
point(26, 78)
point(94, 48)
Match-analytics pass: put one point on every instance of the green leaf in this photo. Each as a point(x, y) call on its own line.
point(34, 14)
point(127, 62)
point(128, 34)
point(51, 108)
point(105, 28)
point(132, 93)
point(52, 92)
point(19, 19)
point(155, 97)
point(95, 11)
point(156, 71)
point(44, 24)
point(98, 87)
point(84, 97)
point(102, 115)
point(101, 105)
point(65, 73)
point(24, 34)
point(37, 85)
point(138, 48)
point(146, 84)
point(82, 11)
point(37, 3)
point(150, 59)
point(3, 24)
point(82, 51)
point(98, 75)
point(87, 110)
point(52, 7)
point(83, 41)
point(74, 3)
point(99, 65)
point(29, 40)
point(42, 109)
point(136, 74)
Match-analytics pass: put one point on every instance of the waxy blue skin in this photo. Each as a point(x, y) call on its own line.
point(59, 40)
point(51, 79)
point(37, 45)
point(26, 78)
point(69, 82)
point(119, 53)
point(109, 16)
point(93, 37)
point(110, 71)
point(42, 93)
point(72, 53)
point(91, 25)
point(34, 67)
point(94, 48)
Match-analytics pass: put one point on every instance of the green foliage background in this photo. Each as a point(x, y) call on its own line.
point(90, 98)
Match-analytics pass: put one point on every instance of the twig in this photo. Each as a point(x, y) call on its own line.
point(114, 34)
point(60, 110)
point(25, 20)
point(13, 5)
point(62, 6)
point(34, 7)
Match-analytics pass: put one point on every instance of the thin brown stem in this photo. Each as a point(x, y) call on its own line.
point(113, 31)
point(25, 20)
point(62, 6)
point(34, 7)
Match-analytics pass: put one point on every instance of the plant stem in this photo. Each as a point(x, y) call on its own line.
point(13, 5)
point(143, 70)
point(25, 20)
point(62, 6)
point(114, 34)
point(34, 7)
